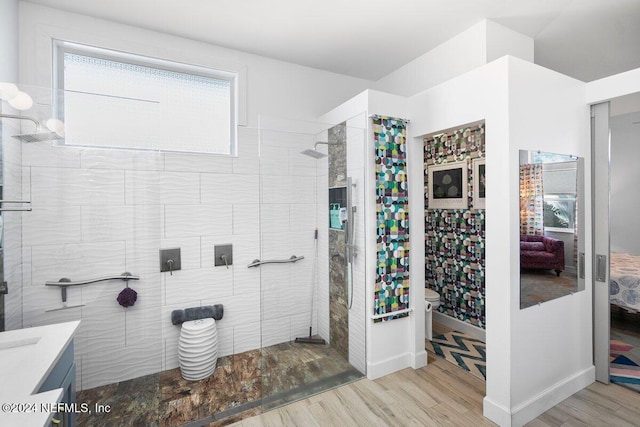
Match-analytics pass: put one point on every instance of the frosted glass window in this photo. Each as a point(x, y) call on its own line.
point(109, 102)
point(560, 180)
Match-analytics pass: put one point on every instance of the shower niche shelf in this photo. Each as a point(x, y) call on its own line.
point(337, 207)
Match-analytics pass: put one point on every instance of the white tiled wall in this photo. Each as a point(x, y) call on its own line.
point(357, 170)
point(322, 291)
point(102, 212)
point(292, 187)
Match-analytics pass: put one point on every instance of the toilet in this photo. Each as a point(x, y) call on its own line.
point(198, 349)
point(431, 303)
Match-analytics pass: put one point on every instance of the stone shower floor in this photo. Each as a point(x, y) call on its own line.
point(243, 385)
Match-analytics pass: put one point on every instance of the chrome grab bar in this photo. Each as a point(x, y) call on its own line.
point(27, 209)
point(257, 262)
point(67, 282)
point(64, 283)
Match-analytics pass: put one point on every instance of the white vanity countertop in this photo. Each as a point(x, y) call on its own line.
point(27, 356)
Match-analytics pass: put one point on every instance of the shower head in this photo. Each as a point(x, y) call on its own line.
point(314, 152)
point(40, 135)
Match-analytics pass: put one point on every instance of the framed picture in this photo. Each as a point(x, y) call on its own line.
point(448, 186)
point(479, 183)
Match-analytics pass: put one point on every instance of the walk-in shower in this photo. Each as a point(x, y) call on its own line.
point(100, 211)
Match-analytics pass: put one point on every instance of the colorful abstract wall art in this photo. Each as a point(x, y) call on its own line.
point(455, 238)
point(392, 218)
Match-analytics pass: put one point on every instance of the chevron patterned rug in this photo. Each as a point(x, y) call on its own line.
point(462, 350)
point(624, 368)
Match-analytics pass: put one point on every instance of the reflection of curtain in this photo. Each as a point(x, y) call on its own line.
point(531, 203)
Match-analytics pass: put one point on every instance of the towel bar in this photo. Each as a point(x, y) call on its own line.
point(27, 209)
point(392, 313)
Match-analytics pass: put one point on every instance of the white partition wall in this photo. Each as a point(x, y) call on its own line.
point(534, 357)
point(551, 343)
point(391, 345)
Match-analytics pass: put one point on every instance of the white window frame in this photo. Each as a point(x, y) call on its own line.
point(61, 47)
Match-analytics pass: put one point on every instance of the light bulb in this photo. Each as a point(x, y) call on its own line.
point(8, 90)
point(22, 101)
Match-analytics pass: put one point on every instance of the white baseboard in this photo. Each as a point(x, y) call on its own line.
point(550, 397)
point(460, 326)
point(388, 366)
point(496, 413)
point(547, 399)
point(418, 360)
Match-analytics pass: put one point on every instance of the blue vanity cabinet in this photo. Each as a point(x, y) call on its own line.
point(63, 375)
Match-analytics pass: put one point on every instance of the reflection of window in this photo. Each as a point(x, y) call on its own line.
point(559, 195)
point(543, 157)
point(559, 211)
point(114, 99)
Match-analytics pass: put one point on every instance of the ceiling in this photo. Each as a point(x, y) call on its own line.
point(585, 39)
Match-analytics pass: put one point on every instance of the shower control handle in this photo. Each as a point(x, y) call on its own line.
point(170, 260)
point(352, 251)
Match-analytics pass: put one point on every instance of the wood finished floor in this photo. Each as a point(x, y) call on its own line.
point(441, 394)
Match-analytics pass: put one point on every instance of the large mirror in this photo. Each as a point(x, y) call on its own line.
point(551, 226)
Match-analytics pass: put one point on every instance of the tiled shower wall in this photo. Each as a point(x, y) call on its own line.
point(289, 215)
point(12, 227)
point(357, 150)
point(102, 212)
point(338, 293)
point(348, 159)
point(11, 222)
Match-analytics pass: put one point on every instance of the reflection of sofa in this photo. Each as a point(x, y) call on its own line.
point(542, 253)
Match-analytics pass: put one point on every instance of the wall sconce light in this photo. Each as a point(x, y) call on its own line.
point(8, 91)
point(22, 101)
point(55, 125)
point(16, 98)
